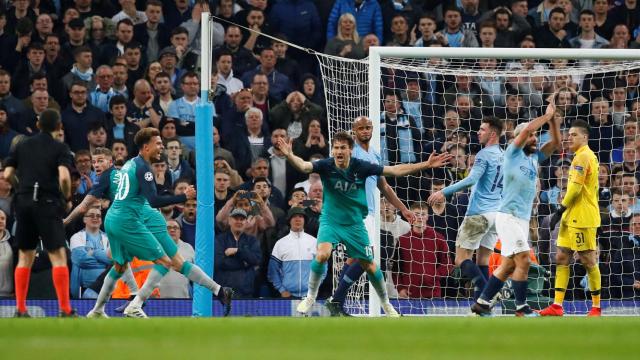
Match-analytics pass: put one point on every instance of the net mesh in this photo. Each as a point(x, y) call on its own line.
point(440, 105)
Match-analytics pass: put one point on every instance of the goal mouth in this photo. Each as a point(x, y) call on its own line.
point(442, 96)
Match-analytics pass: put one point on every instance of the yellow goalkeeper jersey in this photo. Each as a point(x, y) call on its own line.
point(583, 212)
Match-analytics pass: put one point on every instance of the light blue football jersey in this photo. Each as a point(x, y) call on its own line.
point(520, 175)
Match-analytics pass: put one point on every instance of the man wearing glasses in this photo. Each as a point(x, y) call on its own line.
point(183, 109)
point(88, 255)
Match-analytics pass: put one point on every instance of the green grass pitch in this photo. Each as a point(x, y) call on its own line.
point(321, 338)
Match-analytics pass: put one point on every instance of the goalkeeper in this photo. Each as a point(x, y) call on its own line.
point(477, 231)
point(579, 219)
point(345, 206)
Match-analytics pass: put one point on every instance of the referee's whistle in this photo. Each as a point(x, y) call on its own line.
point(36, 186)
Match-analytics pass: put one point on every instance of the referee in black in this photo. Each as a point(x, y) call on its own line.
point(41, 165)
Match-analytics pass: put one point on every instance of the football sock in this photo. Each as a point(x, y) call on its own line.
point(60, 275)
point(315, 277)
point(196, 275)
point(155, 275)
point(490, 290)
point(21, 276)
point(471, 271)
point(562, 280)
point(107, 288)
point(520, 293)
point(130, 281)
point(594, 284)
point(349, 276)
point(377, 280)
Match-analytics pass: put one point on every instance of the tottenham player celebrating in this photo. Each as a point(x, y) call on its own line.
point(345, 206)
point(579, 219)
point(512, 221)
point(477, 231)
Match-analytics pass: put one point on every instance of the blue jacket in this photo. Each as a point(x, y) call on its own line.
point(368, 18)
point(290, 263)
point(279, 83)
point(237, 271)
point(87, 268)
point(298, 20)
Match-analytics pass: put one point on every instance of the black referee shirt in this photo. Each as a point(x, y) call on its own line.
point(36, 159)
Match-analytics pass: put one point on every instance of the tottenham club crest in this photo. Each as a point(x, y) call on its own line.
point(148, 176)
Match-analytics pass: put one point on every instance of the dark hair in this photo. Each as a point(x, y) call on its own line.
point(428, 15)
point(162, 74)
point(616, 191)
point(488, 23)
point(587, 12)
point(117, 100)
point(81, 49)
point(261, 179)
point(437, 182)
point(557, 10)
point(582, 125)
point(153, 3)
point(95, 126)
point(179, 30)
point(189, 74)
point(343, 136)
point(133, 44)
point(36, 46)
point(452, 8)
point(494, 123)
point(49, 120)
point(144, 136)
point(78, 83)
point(37, 76)
point(125, 21)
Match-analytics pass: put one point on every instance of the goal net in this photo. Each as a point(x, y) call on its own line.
point(433, 99)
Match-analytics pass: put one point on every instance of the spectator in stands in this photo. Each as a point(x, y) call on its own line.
point(588, 38)
point(218, 94)
point(168, 60)
point(253, 41)
point(221, 152)
point(464, 85)
point(222, 189)
point(54, 60)
point(193, 27)
point(368, 14)
point(133, 58)
point(368, 41)
point(7, 248)
point(625, 263)
point(396, 125)
point(618, 217)
point(178, 167)
point(312, 141)
point(604, 25)
point(604, 136)
point(314, 209)
point(400, 34)
point(76, 37)
point(243, 59)
point(118, 127)
point(120, 77)
point(427, 25)
point(346, 43)
point(284, 63)
point(81, 70)
point(224, 63)
point(618, 97)
point(101, 95)
point(40, 102)
point(160, 169)
point(445, 217)
point(279, 84)
point(100, 30)
point(260, 217)
point(553, 34)
point(186, 55)
point(237, 255)
point(89, 254)
point(424, 258)
point(471, 16)
point(299, 21)
point(153, 69)
point(551, 196)
point(82, 163)
point(540, 14)
point(626, 12)
point(604, 186)
point(140, 110)
point(33, 64)
point(260, 168)
point(174, 285)
point(470, 115)
point(187, 221)
point(396, 226)
point(77, 116)
point(7, 134)
point(119, 151)
point(97, 135)
point(262, 99)
point(312, 89)
point(43, 26)
point(291, 256)
point(294, 114)
point(162, 87)
point(221, 164)
point(184, 109)
point(454, 34)
point(487, 33)
point(124, 35)
point(621, 37)
point(130, 12)
point(176, 12)
point(506, 33)
point(253, 142)
point(39, 82)
point(233, 122)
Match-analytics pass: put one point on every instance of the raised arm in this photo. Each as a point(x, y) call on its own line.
point(80, 209)
point(434, 161)
point(387, 191)
point(556, 137)
point(285, 147)
point(535, 124)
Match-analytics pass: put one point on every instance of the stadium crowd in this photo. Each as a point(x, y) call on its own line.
point(113, 67)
